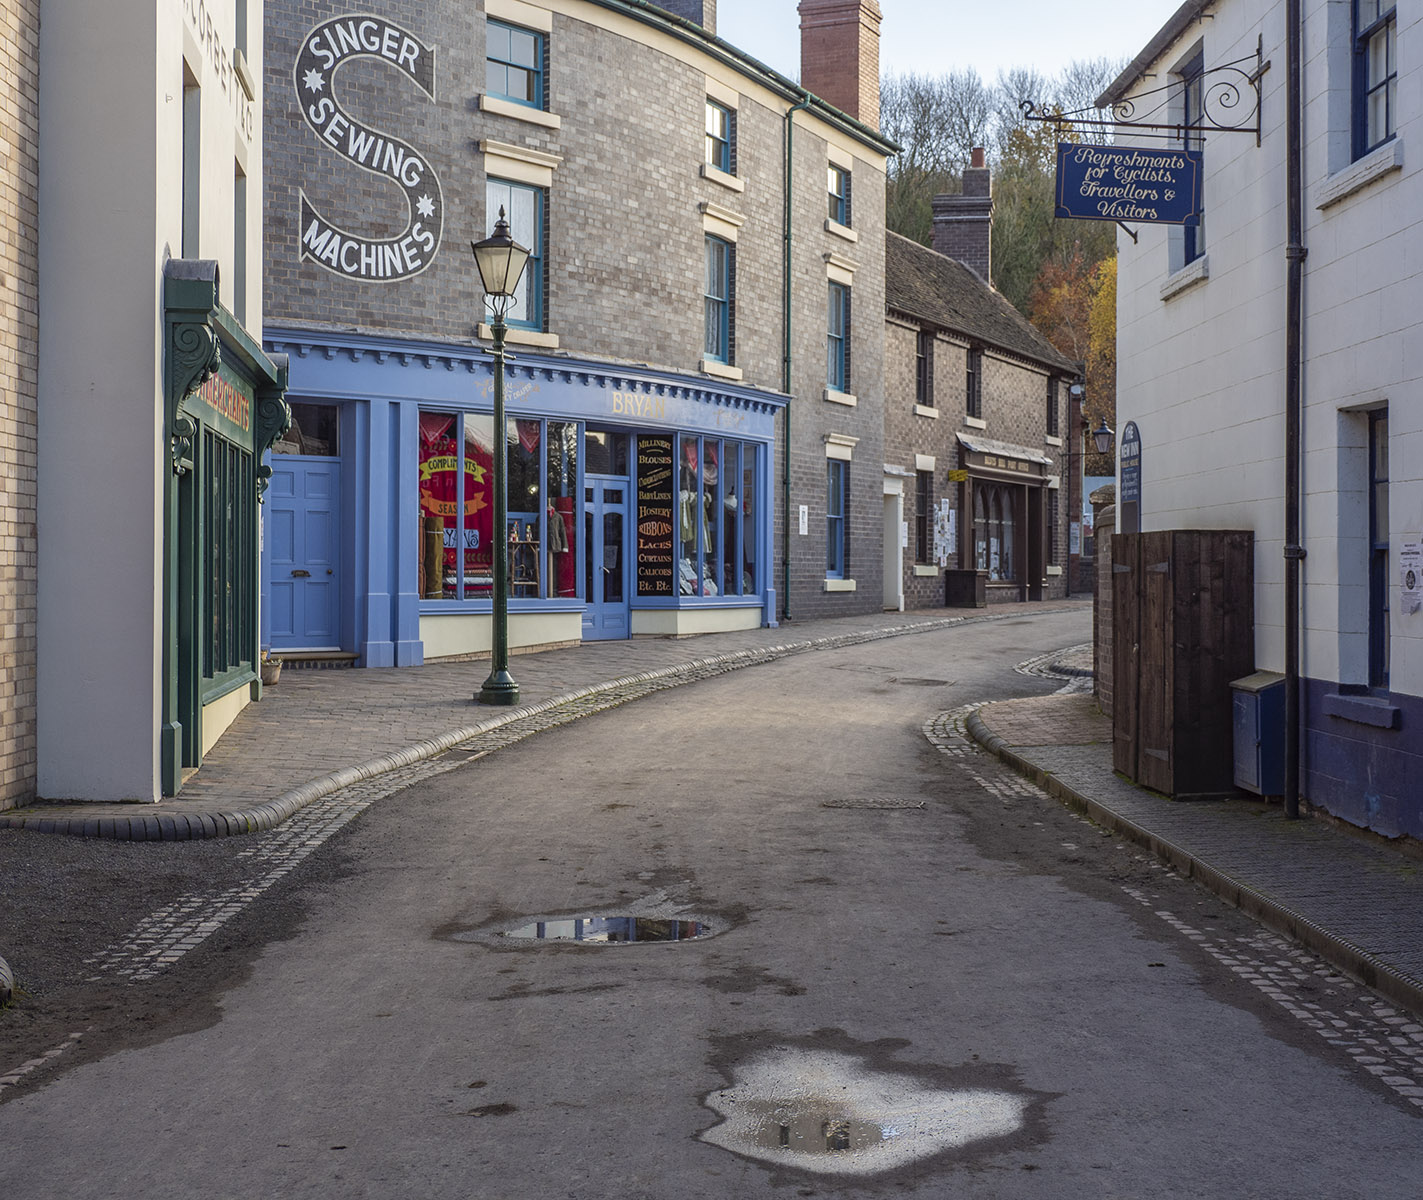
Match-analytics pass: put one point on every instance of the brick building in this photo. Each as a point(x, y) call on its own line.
point(19, 373)
point(981, 448)
point(706, 291)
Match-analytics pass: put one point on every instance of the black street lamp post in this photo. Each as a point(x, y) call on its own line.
point(501, 262)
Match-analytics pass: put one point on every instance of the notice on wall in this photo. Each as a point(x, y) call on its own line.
point(1074, 537)
point(1410, 570)
point(325, 48)
point(804, 520)
point(656, 562)
point(946, 535)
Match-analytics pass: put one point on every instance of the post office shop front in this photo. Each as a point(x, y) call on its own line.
point(638, 502)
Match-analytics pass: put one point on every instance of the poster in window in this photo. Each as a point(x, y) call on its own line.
point(656, 566)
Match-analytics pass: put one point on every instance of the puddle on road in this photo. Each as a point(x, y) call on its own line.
point(830, 1113)
point(610, 930)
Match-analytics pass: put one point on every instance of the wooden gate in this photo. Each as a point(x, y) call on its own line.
point(1184, 607)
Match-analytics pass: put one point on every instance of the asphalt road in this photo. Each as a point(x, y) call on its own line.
point(921, 977)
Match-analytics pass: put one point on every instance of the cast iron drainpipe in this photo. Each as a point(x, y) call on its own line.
point(1294, 255)
point(789, 138)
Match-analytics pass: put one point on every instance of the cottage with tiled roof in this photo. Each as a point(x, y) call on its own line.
point(980, 459)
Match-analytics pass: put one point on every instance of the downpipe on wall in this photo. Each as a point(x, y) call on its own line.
point(788, 136)
point(1295, 253)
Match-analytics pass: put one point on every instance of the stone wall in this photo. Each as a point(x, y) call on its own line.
point(1102, 642)
point(19, 370)
point(1014, 410)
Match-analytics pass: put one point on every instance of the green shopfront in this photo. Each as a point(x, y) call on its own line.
point(225, 407)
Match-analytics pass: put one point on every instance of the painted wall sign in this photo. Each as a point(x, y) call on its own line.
point(1130, 458)
point(656, 560)
point(325, 48)
point(1127, 183)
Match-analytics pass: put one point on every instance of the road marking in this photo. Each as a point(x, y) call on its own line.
point(35, 1064)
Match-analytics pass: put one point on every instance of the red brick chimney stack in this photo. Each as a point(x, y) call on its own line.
point(963, 225)
point(839, 55)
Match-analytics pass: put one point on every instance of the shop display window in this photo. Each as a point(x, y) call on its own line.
point(456, 479)
point(716, 522)
point(993, 532)
point(228, 575)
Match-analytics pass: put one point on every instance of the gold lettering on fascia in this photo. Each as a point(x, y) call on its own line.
point(631, 404)
point(513, 392)
point(206, 34)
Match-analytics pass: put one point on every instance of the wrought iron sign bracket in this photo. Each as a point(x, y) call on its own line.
point(1230, 103)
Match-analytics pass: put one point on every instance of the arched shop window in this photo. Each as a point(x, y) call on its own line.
point(456, 479)
point(993, 531)
point(716, 517)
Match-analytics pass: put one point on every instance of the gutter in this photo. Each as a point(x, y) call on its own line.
point(788, 133)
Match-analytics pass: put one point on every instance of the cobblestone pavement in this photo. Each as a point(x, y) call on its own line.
point(321, 730)
point(1344, 896)
point(1381, 1038)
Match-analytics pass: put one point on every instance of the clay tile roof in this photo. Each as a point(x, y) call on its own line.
point(941, 291)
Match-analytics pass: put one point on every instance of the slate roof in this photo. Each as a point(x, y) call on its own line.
point(943, 292)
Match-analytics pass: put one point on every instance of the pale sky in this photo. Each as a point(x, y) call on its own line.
point(937, 36)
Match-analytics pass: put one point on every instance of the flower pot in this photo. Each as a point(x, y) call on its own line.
point(271, 672)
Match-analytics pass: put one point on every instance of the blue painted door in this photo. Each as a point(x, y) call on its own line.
point(302, 553)
point(606, 577)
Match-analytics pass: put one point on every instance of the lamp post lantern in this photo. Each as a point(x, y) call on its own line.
point(501, 262)
point(1103, 436)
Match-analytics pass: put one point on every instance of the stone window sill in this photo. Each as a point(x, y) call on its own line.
point(710, 366)
point(975, 422)
point(1363, 710)
point(521, 337)
point(1188, 276)
point(841, 231)
point(519, 112)
point(717, 175)
point(925, 572)
point(844, 398)
point(923, 410)
point(1052, 441)
point(839, 585)
point(1358, 175)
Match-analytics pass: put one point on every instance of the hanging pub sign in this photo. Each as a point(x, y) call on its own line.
point(1128, 183)
point(1130, 459)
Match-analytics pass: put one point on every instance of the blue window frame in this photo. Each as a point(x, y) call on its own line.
point(718, 299)
point(514, 64)
point(526, 208)
point(1193, 118)
point(1375, 74)
point(721, 130)
point(837, 339)
point(1378, 550)
point(838, 185)
point(836, 494)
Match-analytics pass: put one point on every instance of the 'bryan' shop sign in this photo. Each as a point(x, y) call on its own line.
point(325, 49)
point(1127, 183)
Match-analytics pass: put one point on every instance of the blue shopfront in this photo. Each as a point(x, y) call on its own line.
point(638, 502)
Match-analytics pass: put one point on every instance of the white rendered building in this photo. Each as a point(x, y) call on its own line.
point(1202, 351)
